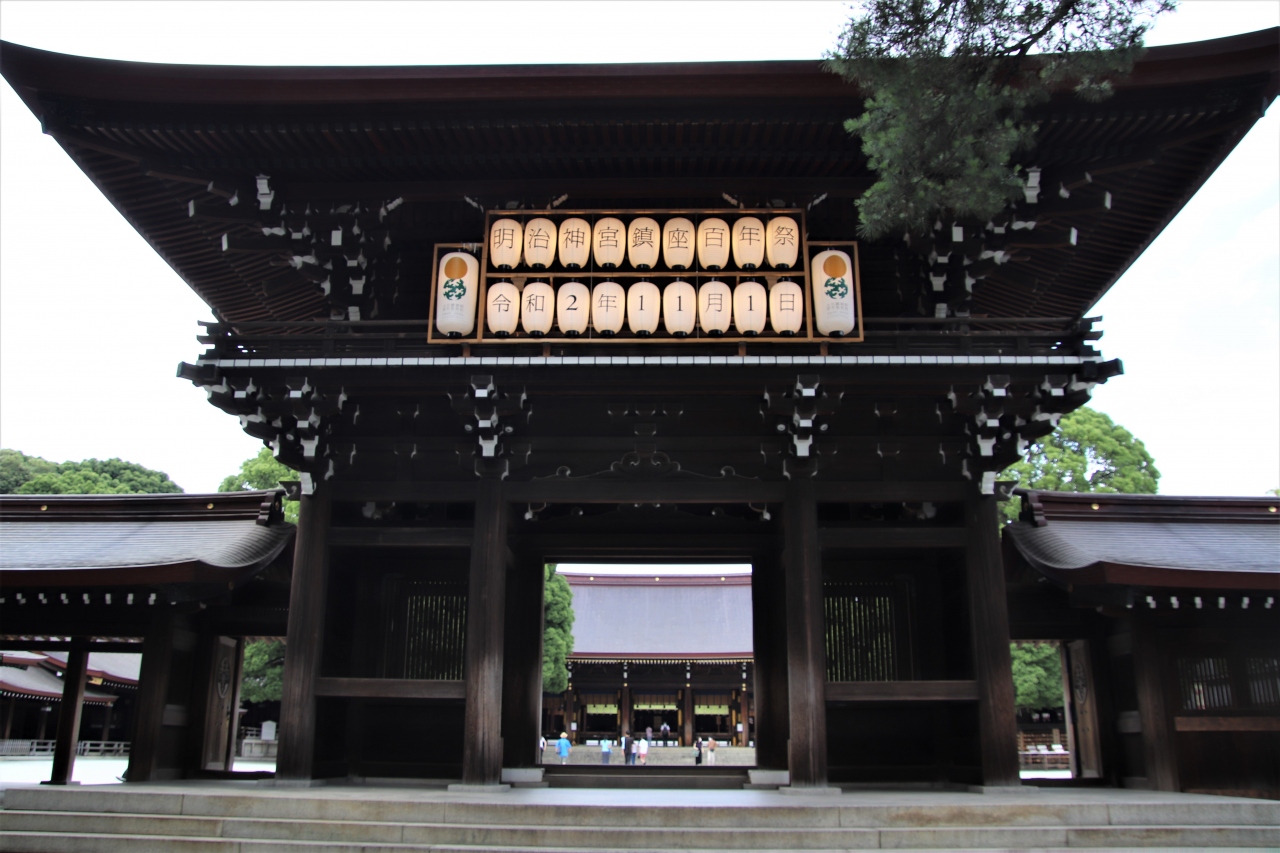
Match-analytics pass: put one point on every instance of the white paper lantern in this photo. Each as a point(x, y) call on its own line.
point(643, 237)
point(748, 243)
point(833, 307)
point(750, 308)
point(457, 284)
point(715, 307)
point(786, 308)
point(506, 242)
point(713, 244)
point(537, 308)
point(573, 308)
point(575, 243)
point(539, 243)
point(679, 308)
point(679, 239)
point(608, 307)
point(782, 242)
point(644, 308)
point(609, 243)
point(502, 308)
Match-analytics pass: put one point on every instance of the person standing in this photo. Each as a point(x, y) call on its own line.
point(648, 733)
point(635, 750)
point(697, 752)
point(606, 750)
point(627, 744)
point(644, 750)
point(711, 751)
point(562, 747)
point(665, 731)
point(542, 747)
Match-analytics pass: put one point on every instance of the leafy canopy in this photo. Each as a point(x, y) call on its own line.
point(263, 471)
point(947, 84)
point(1037, 675)
point(557, 637)
point(263, 671)
point(30, 475)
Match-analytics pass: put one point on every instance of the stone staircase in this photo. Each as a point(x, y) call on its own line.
point(239, 818)
point(646, 778)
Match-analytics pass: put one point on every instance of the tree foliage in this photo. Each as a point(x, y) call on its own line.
point(30, 475)
point(557, 637)
point(263, 471)
point(263, 671)
point(1037, 675)
point(1087, 453)
point(948, 83)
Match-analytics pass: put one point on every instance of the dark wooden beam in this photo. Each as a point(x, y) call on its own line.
point(486, 592)
point(989, 628)
point(400, 537)
point(902, 691)
point(308, 593)
point(806, 647)
point(769, 639)
point(433, 491)
point(153, 690)
point(389, 688)
point(645, 491)
point(854, 538)
point(885, 492)
point(522, 662)
point(1227, 724)
point(1159, 756)
point(69, 712)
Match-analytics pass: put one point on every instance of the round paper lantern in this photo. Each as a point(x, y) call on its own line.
point(608, 308)
point(537, 307)
point(679, 308)
point(457, 284)
point(608, 242)
point(713, 244)
point(502, 308)
point(715, 308)
point(748, 243)
point(539, 243)
point(573, 308)
point(643, 237)
point(833, 309)
point(644, 307)
point(575, 243)
point(750, 308)
point(782, 243)
point(679, 238)
point(786, 308)
point(506, 241)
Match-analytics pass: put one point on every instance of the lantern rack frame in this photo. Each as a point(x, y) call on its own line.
point(589, 275)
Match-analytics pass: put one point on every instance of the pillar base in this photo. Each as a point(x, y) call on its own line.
point(464, 788)
point(1002, 789)
point(51, 782)
point(815, 791)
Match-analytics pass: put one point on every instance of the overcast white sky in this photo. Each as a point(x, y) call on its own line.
point(93, 323)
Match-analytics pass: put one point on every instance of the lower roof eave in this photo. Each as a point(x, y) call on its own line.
point(1167, 577)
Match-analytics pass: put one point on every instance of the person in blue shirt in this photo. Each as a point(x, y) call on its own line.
point(606, 750)
point(562, 747)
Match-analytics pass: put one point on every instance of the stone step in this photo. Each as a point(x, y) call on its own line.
point(646, 778)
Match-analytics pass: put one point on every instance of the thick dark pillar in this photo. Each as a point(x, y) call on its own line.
point(64, 750)
point(486, 598)
point(153, 692)
point(307, 593)
point(625, 708)
point(8, 717)
point(688, 730)
point(522, 670)
point(992, 662)
point(806, 650)
point(1158, 750)
point(746, 719)
point(106, 724)
point(769, 638)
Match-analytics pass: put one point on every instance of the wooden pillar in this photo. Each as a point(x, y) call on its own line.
point(806, 650)
point(746, 718)
point(625, 708)
point(486, 598)
point(8, 718)
point(989, 627)
point(73, 681)
point(308, 592)
point(1158, 751)
point(689, 732)
point(522, 663)
point(571, 714)
point(106, 723)
point(237, 676)
point(153, 692)
point(1082, 687)
point(769, 641)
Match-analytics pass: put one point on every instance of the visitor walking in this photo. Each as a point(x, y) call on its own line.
point(563, 747)
point(542, 747)
point(665, 731)
point(644, 751)
point(697, 752)
point(711, 751)
point(606, 750)
point(648, 733)
point(635, 751)
point(627, 744)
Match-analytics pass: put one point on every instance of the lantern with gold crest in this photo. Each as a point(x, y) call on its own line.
point(748, 243)
point(573, 308)
point(506, 242)
point(457, 279)
point(575, 243)
point(643, 237)
point(539, 243)
point(782, 242)
point(608, 308)
point(750, 308)
point(644, 307)
point(608, 243)
point(679, 308)
point(713, 244)
point(537, 308)
point(678, 241)
point(786, 308)
point(833, 306)
point(715, 308)
point(502, 308)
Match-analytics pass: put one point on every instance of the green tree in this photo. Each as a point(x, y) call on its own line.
point(947, 85)
point(263, 471)
point(1088, 452)
point(1037, 675)
point(30, 475)
point(263, 671)
point(557, 637)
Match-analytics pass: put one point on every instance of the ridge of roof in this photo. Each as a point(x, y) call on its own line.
point(1042, 507)
point(261, 506)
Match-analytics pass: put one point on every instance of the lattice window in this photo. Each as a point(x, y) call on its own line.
point(1205, 683)
point(426, 628)
point(1263, 675)
point(862, 620)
